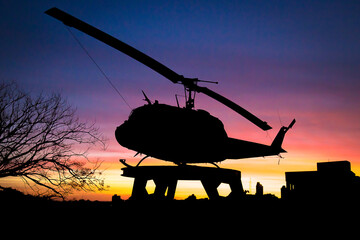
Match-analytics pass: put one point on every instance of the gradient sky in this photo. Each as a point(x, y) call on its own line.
point(278, 59)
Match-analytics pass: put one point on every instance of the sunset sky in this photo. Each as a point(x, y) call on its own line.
point(278, 59)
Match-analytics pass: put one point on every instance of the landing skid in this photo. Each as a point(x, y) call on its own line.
point(141, 160)
point(215, 164)
point(184, 164)
point(123, 161)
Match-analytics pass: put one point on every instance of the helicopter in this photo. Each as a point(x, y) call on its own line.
point(182, 135)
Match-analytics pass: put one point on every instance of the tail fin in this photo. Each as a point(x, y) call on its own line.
point(278, 140)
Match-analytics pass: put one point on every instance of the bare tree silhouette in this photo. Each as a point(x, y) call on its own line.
point(39, 139)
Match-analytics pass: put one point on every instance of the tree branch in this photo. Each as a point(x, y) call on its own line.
point(39, 139)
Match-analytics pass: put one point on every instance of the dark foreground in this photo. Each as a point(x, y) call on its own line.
point(252, 217)
point(250, 207)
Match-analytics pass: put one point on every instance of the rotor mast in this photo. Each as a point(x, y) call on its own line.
point(189, 98)
point(190, 86)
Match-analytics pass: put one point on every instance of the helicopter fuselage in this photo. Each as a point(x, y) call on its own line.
point(173, 134)
point(182, 135)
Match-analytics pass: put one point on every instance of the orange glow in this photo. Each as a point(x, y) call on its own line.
point(305, 149)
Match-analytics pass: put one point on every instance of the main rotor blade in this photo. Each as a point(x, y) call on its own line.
point(246, 114)
point(190, 83)
point(71, 21)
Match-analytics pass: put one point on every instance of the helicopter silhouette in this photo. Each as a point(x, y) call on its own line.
point(175, 134)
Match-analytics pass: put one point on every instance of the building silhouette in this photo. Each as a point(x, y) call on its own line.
point(331, 181)
point(259, 189)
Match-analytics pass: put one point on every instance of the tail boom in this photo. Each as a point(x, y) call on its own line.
point(239, 149)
